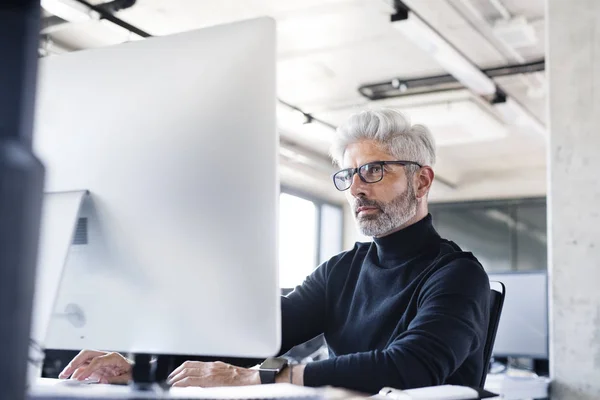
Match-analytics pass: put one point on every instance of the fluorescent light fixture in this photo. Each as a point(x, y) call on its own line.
point(419, 32)
point(456, 123)
point(70, 10)
point(514, 114)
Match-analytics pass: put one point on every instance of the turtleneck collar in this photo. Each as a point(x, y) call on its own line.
point(406, 243)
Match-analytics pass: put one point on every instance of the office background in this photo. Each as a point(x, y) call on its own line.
point(336, 57)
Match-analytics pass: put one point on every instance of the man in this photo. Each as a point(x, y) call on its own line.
point(408, 310)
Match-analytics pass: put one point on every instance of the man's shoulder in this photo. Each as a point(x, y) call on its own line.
point(459, 269)
point(451, 253)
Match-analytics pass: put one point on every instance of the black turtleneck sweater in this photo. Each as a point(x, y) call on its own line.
point(408, 310)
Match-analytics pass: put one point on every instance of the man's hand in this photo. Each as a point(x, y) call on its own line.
point(98, 365)
point(195, 373)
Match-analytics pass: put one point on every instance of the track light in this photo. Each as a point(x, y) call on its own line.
point(457, 65)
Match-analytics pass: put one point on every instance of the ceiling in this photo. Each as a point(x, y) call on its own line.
point(328, 48)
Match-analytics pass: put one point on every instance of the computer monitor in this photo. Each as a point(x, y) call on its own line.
point(174, 139)
point(523, 328)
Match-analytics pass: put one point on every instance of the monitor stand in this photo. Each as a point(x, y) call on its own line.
point(148, 374)
point(143, 374)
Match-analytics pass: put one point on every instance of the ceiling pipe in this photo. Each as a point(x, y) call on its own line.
point(398, 87)
point(107, 15)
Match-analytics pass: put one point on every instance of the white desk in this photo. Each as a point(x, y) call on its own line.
point(510, 388)
point(54, 389)
point(518, 388)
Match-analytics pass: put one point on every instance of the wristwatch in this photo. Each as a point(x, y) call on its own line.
point(269, 369)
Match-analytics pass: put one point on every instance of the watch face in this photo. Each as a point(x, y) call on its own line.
point(274, 364)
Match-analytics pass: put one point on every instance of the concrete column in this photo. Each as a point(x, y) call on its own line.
point(573, 33)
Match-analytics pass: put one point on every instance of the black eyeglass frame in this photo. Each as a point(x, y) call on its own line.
point(362, 178)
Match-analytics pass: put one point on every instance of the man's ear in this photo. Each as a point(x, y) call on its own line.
point(424, 180)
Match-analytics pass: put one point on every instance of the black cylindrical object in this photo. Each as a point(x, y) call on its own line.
point(143, 373)
point(21, 187)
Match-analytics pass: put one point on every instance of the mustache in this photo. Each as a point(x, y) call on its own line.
point(364, 202)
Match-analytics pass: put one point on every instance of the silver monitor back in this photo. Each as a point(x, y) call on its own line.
point(175, 140)
point(523, 328)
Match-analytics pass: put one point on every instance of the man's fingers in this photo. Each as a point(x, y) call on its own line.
point(77, 372)
point(187, 364)
point(189, 381)
point(117, 380)
point(83, 357)
point(186, 373)
point(94, 366)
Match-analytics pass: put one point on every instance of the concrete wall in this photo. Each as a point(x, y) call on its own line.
point(574, 196)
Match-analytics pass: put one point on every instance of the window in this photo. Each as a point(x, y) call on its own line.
point(504, 235)
point(297, 239)
point(481, 230)
point(310, 232)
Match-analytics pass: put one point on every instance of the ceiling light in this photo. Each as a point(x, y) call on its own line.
point(70, 10)
point(424, 36)
point(456, 123)
point(514, 114)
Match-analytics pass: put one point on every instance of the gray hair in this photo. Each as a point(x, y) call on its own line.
point(392, 130)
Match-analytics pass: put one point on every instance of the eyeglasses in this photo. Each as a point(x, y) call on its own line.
point(369, 173)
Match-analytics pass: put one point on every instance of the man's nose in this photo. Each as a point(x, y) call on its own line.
point(358, 187)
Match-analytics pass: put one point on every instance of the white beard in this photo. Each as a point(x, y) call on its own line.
point(390, 216)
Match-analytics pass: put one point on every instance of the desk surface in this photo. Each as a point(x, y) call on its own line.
point(60, 389)
point(518, 387)
point(511, 388)
point(54, 389)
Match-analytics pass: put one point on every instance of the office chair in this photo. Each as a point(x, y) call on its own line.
point(496, 302)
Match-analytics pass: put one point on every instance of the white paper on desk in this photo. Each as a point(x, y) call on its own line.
point(444, 392)
point(275, 391)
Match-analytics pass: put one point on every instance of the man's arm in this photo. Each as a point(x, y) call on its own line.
point(296, 378)
point(451, 323)
point(303, 311)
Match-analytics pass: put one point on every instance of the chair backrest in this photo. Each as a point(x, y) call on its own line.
point(496, 302)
